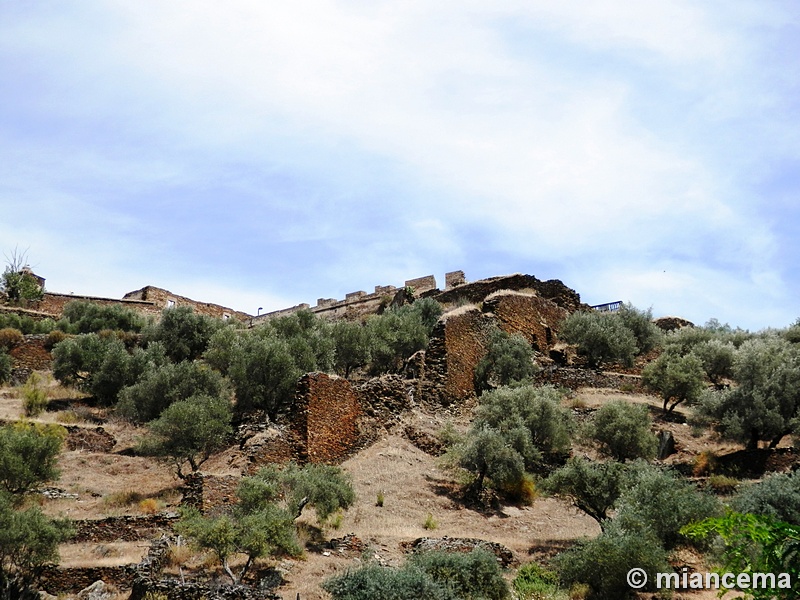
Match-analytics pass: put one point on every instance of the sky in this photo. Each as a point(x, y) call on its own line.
point(261, 154)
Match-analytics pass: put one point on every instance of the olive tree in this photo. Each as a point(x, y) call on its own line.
point(765, 402)
point(623, 431)
point(675, 378)
point(508, 360)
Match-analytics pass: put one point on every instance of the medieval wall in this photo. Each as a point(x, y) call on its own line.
point(458, 342)
point(536, 318)
point(162, 299)
point(476, 291)
point(325, 418)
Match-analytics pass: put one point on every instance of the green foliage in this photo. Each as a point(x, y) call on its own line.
point(5, 366)
point(308, 338)
point(765, 403)
point(262, 523)
point(487, 454)
point(640, 324)
point(34, 397)
point(399, 332)
point(161, 386)
point(756, 544)
point(449, 576)
point(508, 360)
point(27, 458)
point(777, 496)
point(603, 563)
point(675, 378)
point(264, 374)
point(373, 582)
point(89, 317)
point(323, 487)
point(353, 346)
point(716, 357)
point(663, 503)
point(189, 431)
point(17, 282)
point(600, 337)
point(26, 324)
point(472, 576)
point(623, 431)
point(28, 540)
point(531, 417)
point(591, 486)
point(222, 348)
point(185, 335)
point(534, 582)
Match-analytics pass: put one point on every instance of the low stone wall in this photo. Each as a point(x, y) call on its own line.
point(129, 528)
point(31, 354)
point(57, 580)
point(574, 378)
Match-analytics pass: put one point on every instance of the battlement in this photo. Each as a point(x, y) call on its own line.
point(361, 302)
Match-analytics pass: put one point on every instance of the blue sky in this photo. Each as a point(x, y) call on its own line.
point(262, 154)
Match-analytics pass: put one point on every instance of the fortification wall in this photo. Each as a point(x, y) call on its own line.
point(161, 299)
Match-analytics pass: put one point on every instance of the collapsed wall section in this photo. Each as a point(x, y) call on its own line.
point(532, 316)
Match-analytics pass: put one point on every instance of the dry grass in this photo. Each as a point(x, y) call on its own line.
point(106, 554)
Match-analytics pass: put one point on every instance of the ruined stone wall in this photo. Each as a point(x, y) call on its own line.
point(208, 493)
point(325, 418)
point(476, 291)
point(31, 354)
point(162, 298)
point(59, 580)
point(128, 528)
point(576, 378)
point(534, 317)
point(458, 342)
point(53, 304)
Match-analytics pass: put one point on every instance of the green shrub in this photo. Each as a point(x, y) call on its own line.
point(508, 361)
point(89, 317)
point(534, 582)
point(531, 416)
point(765, 405)
point(5, 366)
point(161, 386)
point(189, 431)
point(28, 457)
point(603, 563)
point(663, 503)
point(184, 334)
point(34, 397)
point(600, 337)
point(640, 324)
point(777, 496)
point(440, 575)
point(623, 431)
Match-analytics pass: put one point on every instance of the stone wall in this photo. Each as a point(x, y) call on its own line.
point(130, 528)
point(421, 285)
point(476, 291)
point(575, 378)
point(324, 421)
point(53, 303)
point(32, 354)
point(162, 299)
point(536, 318)
point(58, 580)
point(207, 493)
point(458, 342)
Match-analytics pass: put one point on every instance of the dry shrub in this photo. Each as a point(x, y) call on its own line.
point(53, 338)
point(10, 337)
point(705, 463)
point(150, 506)
point(722, 484)
point(179, 555)
point(121, 499)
